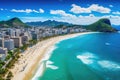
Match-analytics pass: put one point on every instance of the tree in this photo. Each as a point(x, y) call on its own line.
point(1, 63)
point(7, 57)
point(3, 71)
point(24, 47)
point(1, 78)
point(10, 52)
point(9, 76)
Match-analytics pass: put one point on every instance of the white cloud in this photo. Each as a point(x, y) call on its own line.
point(114, 19)
point(94, 7)
point(1, 9)
point(35, 11)
point(33, 19)
point(79, 9)
point(27, 10)
point(61, 12)
point(101, 9)
point(75, 19)
point(82, 20)
point(41, 10)
point(91, 15)
point(110, 5)
point(117, 12)
point(66, 17)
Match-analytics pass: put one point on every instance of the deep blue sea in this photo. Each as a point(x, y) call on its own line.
point(94, 56)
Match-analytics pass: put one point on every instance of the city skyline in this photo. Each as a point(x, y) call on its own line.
point(74, 11)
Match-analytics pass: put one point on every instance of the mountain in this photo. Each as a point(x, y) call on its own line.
point(102, 25)
point(48, 23)
point(14, 22)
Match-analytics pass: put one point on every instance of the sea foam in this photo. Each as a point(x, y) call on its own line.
point(108, 64)
point(39, 72)
point(43, 62)
point(87, 58)
point(107, 44)
point(48, 53)
point(49, 64)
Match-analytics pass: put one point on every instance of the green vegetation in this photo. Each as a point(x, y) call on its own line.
point(24, 47)
point(32, 42)
point(2, 63)
point(4, 68)
point(10, 54)
point(7, 57)
point(14, 22)
point(2, 71)
point(9, 76)
point(102, 25)
point(13, 56)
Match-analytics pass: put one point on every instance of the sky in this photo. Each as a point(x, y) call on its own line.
point(82, 12)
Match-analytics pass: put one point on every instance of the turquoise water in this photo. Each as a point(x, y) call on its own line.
point(93, 56)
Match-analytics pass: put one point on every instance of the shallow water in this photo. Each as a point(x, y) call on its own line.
point(93, 56)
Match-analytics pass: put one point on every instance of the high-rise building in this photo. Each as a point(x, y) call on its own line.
point(6, 37)
point(24, 39)
point(3, 50)
point(17, 41)
point(9, 44)
point(2, 42)
point(11, 32)
point(34, 35)
point(29, 35)
point(17, 32)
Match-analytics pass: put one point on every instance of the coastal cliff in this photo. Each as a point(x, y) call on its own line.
point(102, 25)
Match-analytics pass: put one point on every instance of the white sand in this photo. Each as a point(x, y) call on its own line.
point(32, 57)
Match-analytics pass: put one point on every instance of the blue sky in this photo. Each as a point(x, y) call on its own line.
point(72, 11)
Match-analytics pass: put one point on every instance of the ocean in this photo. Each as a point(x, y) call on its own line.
point(93, 56)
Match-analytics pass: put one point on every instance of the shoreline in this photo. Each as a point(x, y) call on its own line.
point(32, 58)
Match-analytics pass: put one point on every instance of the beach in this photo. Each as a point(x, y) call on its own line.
point(27, 64)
